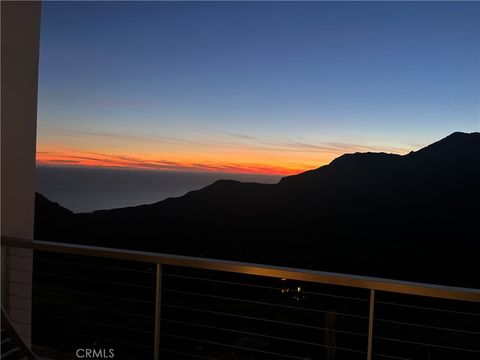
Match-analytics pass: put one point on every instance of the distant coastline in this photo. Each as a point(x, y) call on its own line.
point(84, 189)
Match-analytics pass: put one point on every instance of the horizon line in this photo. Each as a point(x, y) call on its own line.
point(68, 165)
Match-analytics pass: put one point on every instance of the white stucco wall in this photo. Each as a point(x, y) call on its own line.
point(20, 35)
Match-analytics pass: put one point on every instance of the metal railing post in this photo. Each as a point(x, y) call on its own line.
point(158, 306)
point(3, 277)
point(370, 324)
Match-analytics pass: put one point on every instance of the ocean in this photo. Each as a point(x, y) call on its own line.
point(83, 189)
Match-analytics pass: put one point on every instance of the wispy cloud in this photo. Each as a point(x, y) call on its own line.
point(225, 140)
point(78, 157)
point(240, 136)
point(318, 146)
point(125, 136)
point(226, 152)
point(334, 147)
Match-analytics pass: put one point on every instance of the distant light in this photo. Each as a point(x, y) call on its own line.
point(299, 289)
point(283, 279)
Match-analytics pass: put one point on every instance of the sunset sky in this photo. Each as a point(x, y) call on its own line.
point(273, 88)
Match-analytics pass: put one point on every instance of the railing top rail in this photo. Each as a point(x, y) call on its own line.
point(330, 278)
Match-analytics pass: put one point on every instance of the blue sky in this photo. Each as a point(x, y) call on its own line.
point(279, 84)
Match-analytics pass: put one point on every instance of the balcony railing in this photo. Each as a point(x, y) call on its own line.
point(147, 305)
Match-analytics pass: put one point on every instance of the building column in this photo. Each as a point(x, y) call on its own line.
point(20, 37)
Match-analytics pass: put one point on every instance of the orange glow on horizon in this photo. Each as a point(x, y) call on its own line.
point(227, 154)
point(72, 157)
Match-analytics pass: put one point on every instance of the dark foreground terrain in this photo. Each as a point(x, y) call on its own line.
point(412, 217)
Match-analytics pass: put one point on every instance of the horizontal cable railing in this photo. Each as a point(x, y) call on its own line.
point(89, 302)
point(277, 318)
point(164, 306)
point(406, 325)
point(365, 282)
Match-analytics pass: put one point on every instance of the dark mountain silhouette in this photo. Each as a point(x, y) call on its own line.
point(412, 217)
